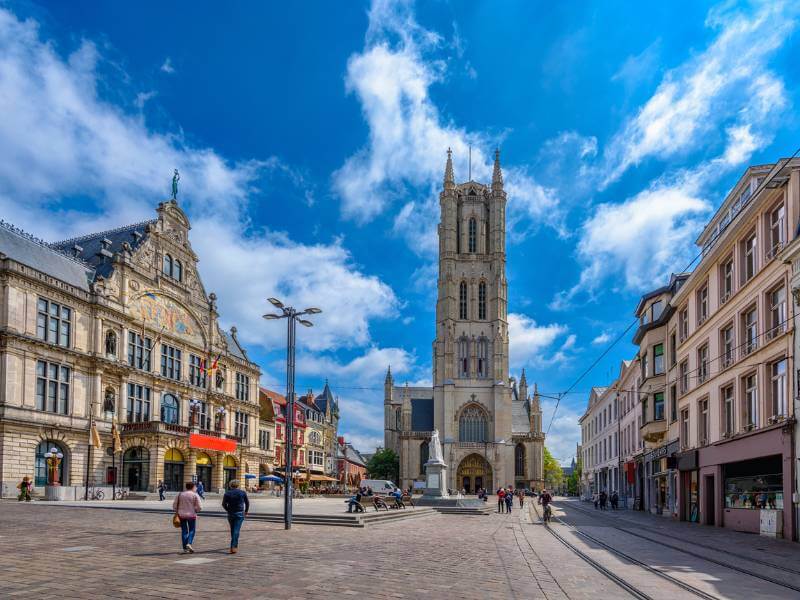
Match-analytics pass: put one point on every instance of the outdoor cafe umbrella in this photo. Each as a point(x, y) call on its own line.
point(275, 478)
point(249, 476)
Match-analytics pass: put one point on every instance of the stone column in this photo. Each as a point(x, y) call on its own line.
point(190, 466)
point(216, 470)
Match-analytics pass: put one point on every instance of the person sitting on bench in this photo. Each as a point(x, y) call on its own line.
point(355, 501)
point(398, 499)
point(379, 503)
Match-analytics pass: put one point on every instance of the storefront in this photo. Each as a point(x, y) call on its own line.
point(689, 485)
point(661, 484)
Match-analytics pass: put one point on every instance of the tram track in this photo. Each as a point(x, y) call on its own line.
point(705, 557)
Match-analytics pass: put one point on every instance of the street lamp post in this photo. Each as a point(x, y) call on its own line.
point(292, 317)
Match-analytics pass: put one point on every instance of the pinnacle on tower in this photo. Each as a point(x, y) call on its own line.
point(389, 379)
point(449, 178)
point(522, 380)
point(497, 174)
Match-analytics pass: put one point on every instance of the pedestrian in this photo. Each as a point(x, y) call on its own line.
point(603, 499)
point(501, 502)
point(161, 489)
point(24, 488)
point(509, 498)
point(355, 502)
point(521, 498)
point(237, 505)
point(186, 505)
point(614, 500)
point(201, 489)
point(596, 499)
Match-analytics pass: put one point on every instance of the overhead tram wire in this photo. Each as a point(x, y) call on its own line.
point(712, 241)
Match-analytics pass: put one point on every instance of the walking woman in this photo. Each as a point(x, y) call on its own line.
point(501, 502)
point(186, 505)
point(24, 488)
point(521, 498)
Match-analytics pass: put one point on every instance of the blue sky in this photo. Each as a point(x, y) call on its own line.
point(311, 140)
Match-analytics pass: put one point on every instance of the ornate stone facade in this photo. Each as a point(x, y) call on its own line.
point(491, 429)
point(117, 326)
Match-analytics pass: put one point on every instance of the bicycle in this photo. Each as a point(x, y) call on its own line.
point(548, 513)
point(121, 495)
point(96, 494)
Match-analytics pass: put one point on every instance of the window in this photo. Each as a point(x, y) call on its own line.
point(702, 363)
point(702, 423)
point(203, 416)
point(472, 237)
point(242, 387)
point(749, 257)
point(170, 362)
point(777, 312)
point(462, 300)
point(263, 439)
point(658, 406)
point(684, 376)
point(424, 455)
point(657, 308)
point(197, 371)
point(776, 236)
point(472, 425)
point(139, 349)
point(54, 323)
point(728, 423)
point(278, 432)
point(726, 280)
point(482, 301)
point(52, 387)
point(167, 265)
point(727, 345)
point(519, 460)
point(241, 424)
point(750, 401)
point(658, 359)
point(315, 438)
point(673, 404)
point(683, 324)
point(778, 389)
point(702, 304)
point(645, 416)
point(483, 357)
point(673, 349)
point(463, 357)
point(177, 270)
point(138, 403)
point(643, 363)
point(750, 330)
point(169, 409)
point(685, 428)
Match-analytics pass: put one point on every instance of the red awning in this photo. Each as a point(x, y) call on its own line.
point(209, 442)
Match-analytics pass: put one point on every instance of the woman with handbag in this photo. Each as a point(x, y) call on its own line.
point(24, 488)
point(186, 506)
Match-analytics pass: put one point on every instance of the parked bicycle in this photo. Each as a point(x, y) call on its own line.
point(122, 495)
point(96, 493)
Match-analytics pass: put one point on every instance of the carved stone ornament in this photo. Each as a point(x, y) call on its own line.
point(146, 255)
point(133, 284)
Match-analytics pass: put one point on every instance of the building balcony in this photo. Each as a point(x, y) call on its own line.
point(155, 427)
point(654, 432)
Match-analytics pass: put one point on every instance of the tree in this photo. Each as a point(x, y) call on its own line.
point(384, 464)
point(553, 475)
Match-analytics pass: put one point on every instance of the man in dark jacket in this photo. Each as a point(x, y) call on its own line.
point(237, 505)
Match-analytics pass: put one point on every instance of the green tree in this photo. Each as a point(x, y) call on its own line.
point(384, 464)
point(553, 475)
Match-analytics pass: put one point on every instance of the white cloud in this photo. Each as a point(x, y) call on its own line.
point(601, 339)
point(707, 92)
point(361, 442)
point(368, 368)
point(167, 67)
point(143, 97)
point(640, 68)
point(529, 341)
point(564, 433)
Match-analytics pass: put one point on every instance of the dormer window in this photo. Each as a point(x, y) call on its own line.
point(167, 265)
point(172, 268)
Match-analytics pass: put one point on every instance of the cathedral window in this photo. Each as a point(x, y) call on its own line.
point(472, 425)
point(472, 246)
point(519, 461)
point(482, 300)
point(462, 300)
point(483, 357)
point(463, 357)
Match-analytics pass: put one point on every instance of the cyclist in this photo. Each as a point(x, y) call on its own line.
point(544, 499)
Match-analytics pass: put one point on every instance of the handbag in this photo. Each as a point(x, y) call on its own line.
point(176, 521)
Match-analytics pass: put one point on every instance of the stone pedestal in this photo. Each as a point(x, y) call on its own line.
point(435, 480)
point(55, 492)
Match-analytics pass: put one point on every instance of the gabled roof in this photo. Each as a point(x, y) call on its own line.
point(234, 347)
point(325, 399)
point(98, 249)
point(520, 416)
point(36, 254)
point(277, 398)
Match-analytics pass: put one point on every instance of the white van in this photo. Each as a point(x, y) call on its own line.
point(381, 487)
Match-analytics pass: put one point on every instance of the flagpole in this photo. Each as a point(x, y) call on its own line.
point(89, 454)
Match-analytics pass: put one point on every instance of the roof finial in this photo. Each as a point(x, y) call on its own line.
point(497, 175)
point(449, 178)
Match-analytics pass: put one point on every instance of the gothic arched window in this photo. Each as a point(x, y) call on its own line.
point(463, 357)
point(424, 454)
point(462, 300)
point(482, 300)
point(177, 271)
point(472, 244)
point(167, 267)
point(483, 357)
point(472, 425)
point(397, 420)
point(169, 409)
point(519, 460)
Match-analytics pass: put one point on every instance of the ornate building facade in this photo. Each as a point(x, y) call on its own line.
point(490, 428)
point(117, 328)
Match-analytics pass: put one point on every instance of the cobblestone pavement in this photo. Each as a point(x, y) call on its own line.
point(50, 551)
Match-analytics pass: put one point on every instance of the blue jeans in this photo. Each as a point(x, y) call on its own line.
point(235, 520)
point(187, 531)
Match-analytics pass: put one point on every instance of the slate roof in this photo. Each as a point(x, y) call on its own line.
point(36, 254)
point(325, 399)
point(234, 347)
point(421, 414)
point(354, 456)
point(97, 249)
point(520, 416)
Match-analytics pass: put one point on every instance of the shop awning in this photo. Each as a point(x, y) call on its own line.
point(321, 478)
point(209, 442)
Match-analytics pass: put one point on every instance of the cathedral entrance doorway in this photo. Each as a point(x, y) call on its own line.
point(474, 472)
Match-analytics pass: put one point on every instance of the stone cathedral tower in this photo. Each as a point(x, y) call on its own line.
point(490, 429)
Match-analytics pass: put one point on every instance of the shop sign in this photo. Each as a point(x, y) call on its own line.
point(687, 461)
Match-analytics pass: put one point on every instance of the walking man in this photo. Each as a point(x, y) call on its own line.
point(186, 505)
point(161, 489)
point(237, 505)
point(201, 489)
point(509, 498)
point(501, 502)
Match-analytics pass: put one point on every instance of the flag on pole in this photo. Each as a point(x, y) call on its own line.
point(95, 436)
point(116, 442)
point(202, 366)
point(215, 364)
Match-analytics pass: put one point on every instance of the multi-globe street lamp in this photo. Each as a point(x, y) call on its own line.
point(292, 317)
point(53, 460)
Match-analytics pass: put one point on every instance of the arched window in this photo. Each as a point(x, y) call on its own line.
point(397, 421)
point(519, 461)
point(167, 265)
point(424, 455)
point(482, 300)
point(472, 236)
point(40, 476)
point(472, 425)
point(483, 357)
point(169, 409)
point(462, 300)
point(463, 357)
point(136, 469)
point(177, 271)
